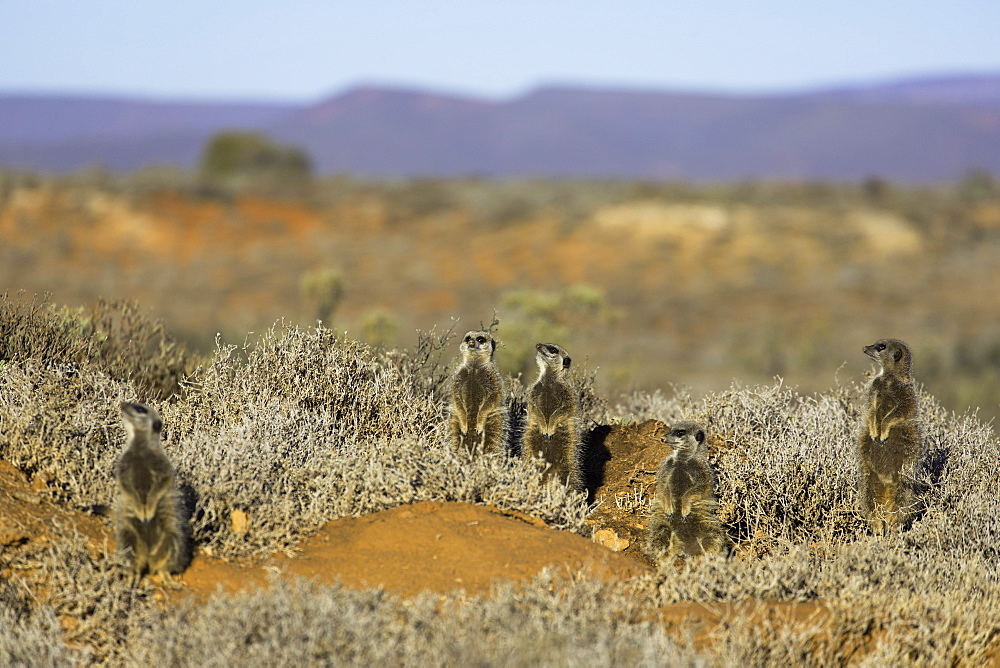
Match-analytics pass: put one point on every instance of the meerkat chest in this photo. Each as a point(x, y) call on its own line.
point(683, 475)
point(880, 388)
point(884, 388)
point(140, 471)
point(882, 382)
point(476, 378)
point(549, 396)
point(877, 382)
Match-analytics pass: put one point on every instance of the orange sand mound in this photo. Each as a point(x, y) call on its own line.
point(425, 546)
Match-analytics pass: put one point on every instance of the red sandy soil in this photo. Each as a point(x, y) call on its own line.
point(425, 546)
point(408, 549)
point(432, 546)
point(28, 516)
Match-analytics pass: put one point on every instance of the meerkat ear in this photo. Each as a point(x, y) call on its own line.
point(898, 355)
point(493, 345)
point(157, 425)
point(566, 362)
point(699, 436)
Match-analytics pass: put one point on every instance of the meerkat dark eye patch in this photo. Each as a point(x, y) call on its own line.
point(880, 347)
point(552, 350)
point(139, 408)
point(679, 432)
point(481, 339)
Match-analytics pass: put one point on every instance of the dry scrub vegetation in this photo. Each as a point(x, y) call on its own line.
point(655, 282)
point(301, 426)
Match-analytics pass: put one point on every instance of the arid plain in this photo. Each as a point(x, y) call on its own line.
point(654, 284)
point(306, 453)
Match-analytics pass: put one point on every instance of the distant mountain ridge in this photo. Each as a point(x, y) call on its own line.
point(914, 130)
point(967, 89)
point(58, 118)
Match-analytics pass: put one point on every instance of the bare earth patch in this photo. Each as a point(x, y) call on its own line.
point(436, 546)
point(627, 482)
point(27, 515)
point(424, 546)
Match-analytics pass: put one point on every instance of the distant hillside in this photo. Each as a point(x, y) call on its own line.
point(961, 90)
point(915, 130)
point(44, 119)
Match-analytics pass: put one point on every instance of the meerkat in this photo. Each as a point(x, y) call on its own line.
point(889, 442)
point(552, 429)
point(685, 518)
point(478, 417)
point(150, 525)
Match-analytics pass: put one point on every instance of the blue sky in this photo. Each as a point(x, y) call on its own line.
point(302, 50)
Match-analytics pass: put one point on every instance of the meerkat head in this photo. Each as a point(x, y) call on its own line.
point(479, 344)
point(140, 419)
point(686, 438)
point(551, 357)
point(893, 355)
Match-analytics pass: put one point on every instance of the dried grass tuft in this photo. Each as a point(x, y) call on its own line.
point(303, 426)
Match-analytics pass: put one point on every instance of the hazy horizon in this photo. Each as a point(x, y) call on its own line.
point(541, 85)
point(305, 51)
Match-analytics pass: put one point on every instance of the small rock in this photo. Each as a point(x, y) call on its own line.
point(26, 497)
point(609, 539)
point(40, 482)
point(240, 521)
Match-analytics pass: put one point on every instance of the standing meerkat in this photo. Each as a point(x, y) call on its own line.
point(685, 513)
point(150, 525)
point(552, 428)
point(889, 443)
point(478, 417)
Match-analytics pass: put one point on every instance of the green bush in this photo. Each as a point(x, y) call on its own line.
point(247, 158)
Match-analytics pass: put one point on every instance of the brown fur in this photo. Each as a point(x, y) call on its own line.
point(151, 529)
point(685, 518)
point(552, 429)
point(478, 416)
point(889, 443)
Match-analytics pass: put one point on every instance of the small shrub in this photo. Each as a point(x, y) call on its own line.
point(31, 635)
point(532, 316)
point(546, 622)
point(247, 158)
point(114, 336)
point(325, 289)
point(379, 327)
